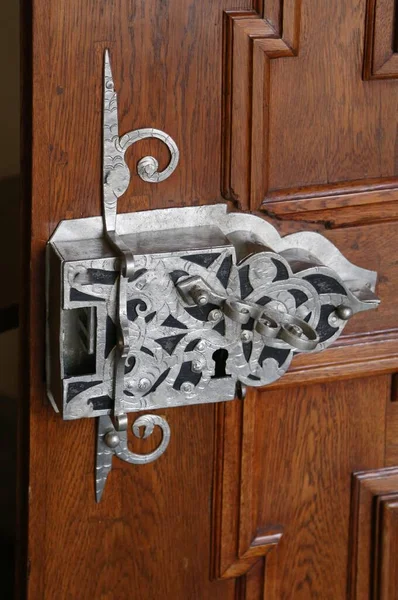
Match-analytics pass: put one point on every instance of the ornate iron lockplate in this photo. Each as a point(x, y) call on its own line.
point(180, 306)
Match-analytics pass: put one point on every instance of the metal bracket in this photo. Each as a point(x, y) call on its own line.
point(180, 306)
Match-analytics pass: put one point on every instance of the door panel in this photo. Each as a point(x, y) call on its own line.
point(392, 427)
point(315, 438)
point(299, 77)
point(269, 108)
point(289, 456)
point(373, 564)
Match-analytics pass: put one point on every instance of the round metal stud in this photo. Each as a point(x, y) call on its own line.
point(201, 346)
point(215, 314)
point(199, 296)
point(246, 336)
point(112, 439)
point(197, 366)
point(344, 312)
point(187, 387)
point(143, 384)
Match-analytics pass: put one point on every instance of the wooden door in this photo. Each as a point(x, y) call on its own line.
point(287, 108)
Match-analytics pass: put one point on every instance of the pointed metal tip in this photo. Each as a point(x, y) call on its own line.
point(98, 495)
point(108, 71)
point(99, 488)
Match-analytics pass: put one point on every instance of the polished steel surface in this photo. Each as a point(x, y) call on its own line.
point(116, 173)
point(173, 307)
point(199, 324)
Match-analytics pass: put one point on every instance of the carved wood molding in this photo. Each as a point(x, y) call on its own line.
point(391, 441)
point(354, 356)
point(374, 543)
point(336, 205)
point(381, 43)
point(237, 544)
point(386, 546)
point(251, 40)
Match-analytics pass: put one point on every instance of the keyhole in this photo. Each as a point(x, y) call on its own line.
point(220, 361)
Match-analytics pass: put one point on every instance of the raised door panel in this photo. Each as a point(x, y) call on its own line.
point(373, 565)
point(300, 119)
point(381, 42)
point(288, 456)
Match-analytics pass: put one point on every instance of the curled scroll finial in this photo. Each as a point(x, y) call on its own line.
point(148, 422)
point(147, 167)
point(111, 442)
point(116, 174)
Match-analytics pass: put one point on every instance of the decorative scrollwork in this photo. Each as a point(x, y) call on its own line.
point(111, 442)
point(116, 173)
point(147, 167)
point(173, 317)
point(148, 422)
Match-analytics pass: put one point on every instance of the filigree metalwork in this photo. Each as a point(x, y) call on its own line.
point(170, 361)
point(173, 307)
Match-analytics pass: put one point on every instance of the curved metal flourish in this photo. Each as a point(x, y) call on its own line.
point(148, 422)
point(105, 450)
point(147, 167)
point(116, 174)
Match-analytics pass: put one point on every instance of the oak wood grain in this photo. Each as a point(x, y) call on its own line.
point(320, 94)
point(251, 40)
point(284, 464)
point(338, 205)
point(237, 547)
point(308, 441)
point(272, 107)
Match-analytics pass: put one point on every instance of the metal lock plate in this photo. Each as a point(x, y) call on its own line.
point(171, 343)
point(206, 307)
point(180, 306)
